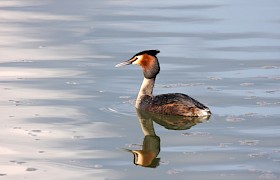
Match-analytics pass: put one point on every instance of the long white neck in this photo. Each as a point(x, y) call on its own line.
point(146, 89)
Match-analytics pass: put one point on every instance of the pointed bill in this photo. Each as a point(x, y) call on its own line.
point(123, 63)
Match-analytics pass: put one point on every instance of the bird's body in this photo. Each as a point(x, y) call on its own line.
point(173, 104)
point(170, 104)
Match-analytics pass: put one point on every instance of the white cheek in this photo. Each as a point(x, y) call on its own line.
point(137, 61)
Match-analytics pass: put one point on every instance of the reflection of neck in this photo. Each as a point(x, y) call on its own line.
point(146, 89)
point(147, 127)
point(146, 124)
point(151, 143)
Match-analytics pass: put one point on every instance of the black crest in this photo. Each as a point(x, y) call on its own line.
point(149, 52)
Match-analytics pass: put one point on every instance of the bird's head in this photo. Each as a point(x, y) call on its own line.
point(147, 60)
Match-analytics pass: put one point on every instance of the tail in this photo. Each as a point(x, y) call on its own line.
point(205, 112)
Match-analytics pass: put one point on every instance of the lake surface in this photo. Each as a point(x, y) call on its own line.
point(68, 113)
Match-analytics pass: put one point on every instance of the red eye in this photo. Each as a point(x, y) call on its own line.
point(134, 59)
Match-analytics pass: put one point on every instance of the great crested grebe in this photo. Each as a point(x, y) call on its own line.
point(172, 103)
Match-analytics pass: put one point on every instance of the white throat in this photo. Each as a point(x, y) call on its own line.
point(146, 89)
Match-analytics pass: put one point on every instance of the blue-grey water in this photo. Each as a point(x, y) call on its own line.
point(68, 113)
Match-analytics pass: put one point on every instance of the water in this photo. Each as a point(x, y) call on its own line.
point(67, 112)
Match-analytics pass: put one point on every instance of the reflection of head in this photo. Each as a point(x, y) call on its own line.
point(147, 157)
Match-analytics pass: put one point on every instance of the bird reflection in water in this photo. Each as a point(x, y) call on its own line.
point(148, 155)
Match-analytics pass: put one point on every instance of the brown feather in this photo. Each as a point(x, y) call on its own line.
point(173, 104)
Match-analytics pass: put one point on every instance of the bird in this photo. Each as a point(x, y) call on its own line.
point(176, 104)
